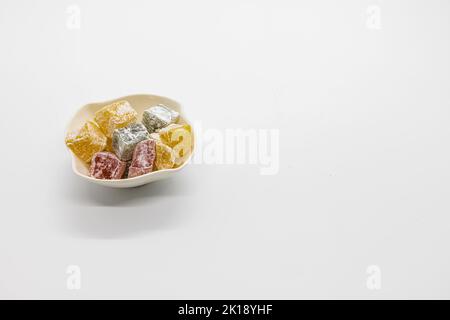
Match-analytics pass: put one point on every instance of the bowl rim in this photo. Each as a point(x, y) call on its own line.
point(157, 172)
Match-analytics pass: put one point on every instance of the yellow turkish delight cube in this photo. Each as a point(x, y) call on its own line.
point(165, 157)
point(115, 116)
point(87, 141)
point(179, 138)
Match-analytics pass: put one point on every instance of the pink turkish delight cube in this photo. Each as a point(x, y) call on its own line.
point(106, 165)
point(143, 158)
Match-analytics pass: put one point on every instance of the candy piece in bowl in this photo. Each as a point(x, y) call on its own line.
point(143, 158)
point(125, 140)
point(165, 157)
point(115, 116)
point(158, 117)
point(106, 165)
point(179, 138)
point(86, 141)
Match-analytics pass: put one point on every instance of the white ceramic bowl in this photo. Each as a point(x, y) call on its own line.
point(139, 102)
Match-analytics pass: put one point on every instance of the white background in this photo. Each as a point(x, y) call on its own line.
point(363, 116)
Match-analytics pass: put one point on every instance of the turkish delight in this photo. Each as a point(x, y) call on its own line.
point(106, 165)
point(125, 140)
point(87, 141)
point(115, 116)
point(158, 117)
point(165, 157)
point(143, 158)
point(179, 138)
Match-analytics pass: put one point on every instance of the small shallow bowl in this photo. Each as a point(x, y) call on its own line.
point(139, 102)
